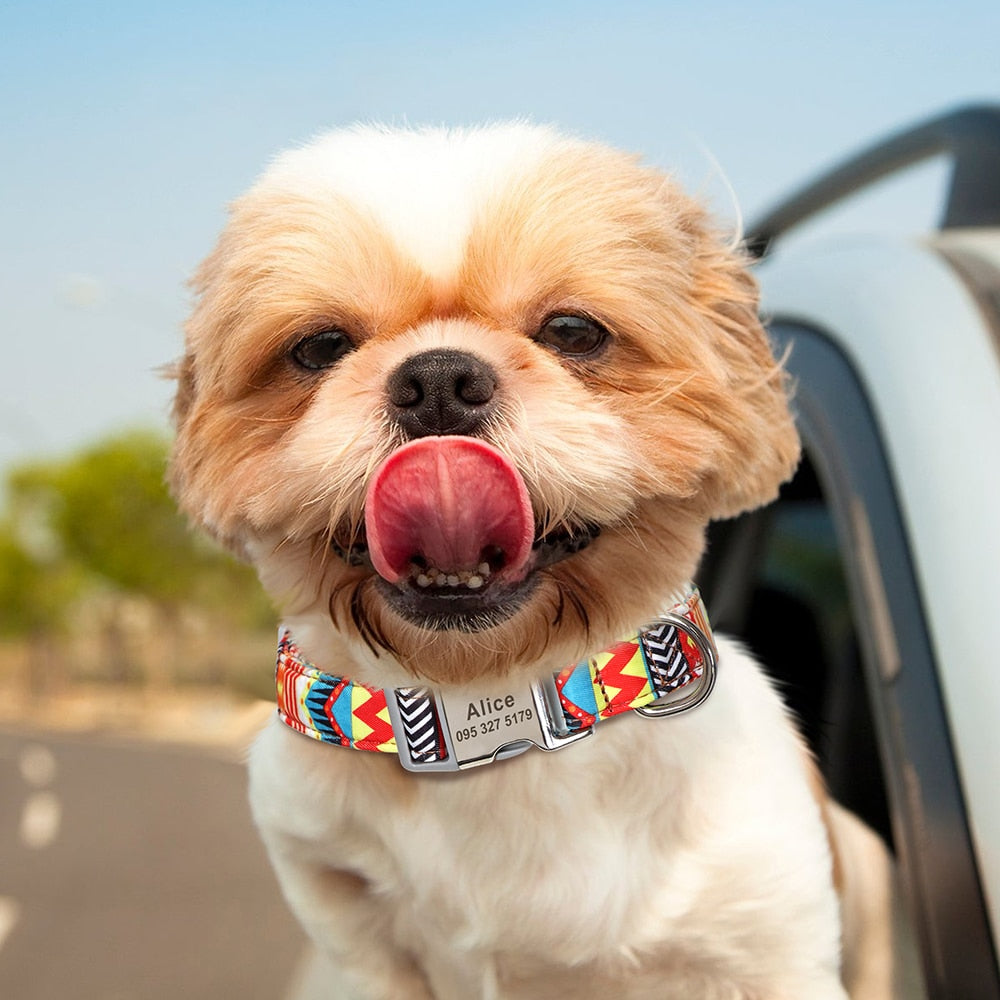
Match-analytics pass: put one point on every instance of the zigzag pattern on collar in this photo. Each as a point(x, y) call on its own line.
point(631, 674)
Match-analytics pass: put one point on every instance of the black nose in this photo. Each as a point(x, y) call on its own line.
point(441, 392)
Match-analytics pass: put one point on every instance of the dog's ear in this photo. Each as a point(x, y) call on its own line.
point(182, 372)
point(185, 464)
point(760, 446)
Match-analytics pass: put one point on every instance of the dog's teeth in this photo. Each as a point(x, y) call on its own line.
point(431, 576)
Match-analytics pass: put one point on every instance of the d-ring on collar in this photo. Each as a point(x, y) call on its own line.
point(449, 730)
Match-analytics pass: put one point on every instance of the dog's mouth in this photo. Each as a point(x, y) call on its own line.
point(449, 530)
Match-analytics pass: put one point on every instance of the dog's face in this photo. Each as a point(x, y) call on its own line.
point(473, 396)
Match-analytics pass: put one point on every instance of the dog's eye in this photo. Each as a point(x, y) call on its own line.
point(321, 350)
point(574, 336)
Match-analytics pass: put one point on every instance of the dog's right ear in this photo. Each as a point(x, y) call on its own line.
point(182, 372)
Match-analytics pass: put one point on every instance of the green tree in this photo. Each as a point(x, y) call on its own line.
point(104, 517)
point(34, 593)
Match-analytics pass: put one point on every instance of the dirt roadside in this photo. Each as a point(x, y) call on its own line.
point(202, 717)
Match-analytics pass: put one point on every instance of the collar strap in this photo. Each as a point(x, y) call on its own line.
point(668, 667)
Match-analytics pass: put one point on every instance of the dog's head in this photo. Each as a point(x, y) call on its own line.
point(473, 396)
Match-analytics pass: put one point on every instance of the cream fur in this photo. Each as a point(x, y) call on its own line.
point(681, 858)
point(641, 874)
point(427, 210)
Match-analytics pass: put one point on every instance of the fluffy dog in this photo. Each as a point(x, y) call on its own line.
point(467, 400)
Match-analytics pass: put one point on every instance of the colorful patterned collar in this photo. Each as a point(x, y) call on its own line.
point(449, 730)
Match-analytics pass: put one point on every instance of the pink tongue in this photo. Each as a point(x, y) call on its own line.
point(452, 502)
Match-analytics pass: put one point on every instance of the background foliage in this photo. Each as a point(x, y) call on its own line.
point(98, 569)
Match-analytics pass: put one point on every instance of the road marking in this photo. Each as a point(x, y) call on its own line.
point(40, 820)
point(37, 765)
point(10, 912)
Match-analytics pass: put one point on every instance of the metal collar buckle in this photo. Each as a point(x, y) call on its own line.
point(480, 728)
point(671, 704)
point(667, 668)
point(476, 728)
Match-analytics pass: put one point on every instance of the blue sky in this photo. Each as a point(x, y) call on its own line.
point(127, 127)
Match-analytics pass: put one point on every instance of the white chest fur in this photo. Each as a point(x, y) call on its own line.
point(693, 838)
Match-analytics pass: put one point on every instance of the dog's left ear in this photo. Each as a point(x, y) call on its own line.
point(750, 411)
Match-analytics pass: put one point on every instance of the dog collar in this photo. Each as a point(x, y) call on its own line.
point(668, 667)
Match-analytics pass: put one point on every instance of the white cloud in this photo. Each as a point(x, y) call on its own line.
point(82, 291)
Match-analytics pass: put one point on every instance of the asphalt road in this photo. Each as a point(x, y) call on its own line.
point(131, 871)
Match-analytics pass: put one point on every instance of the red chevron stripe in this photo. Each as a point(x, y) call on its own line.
point(287, 675)
point(368, 714)
point(611, 674)
point(691, 654)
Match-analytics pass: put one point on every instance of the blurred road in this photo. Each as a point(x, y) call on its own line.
point(131, 871)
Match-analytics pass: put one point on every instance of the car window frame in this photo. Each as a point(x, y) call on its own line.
point(930, 825)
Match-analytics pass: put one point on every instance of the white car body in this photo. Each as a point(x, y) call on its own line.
point(880, 562)
point(930, 364)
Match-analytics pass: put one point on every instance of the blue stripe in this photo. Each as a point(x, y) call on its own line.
point(342, 712)
point(316, 698)
point(579, 688)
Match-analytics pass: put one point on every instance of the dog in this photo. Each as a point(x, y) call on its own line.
point(467, 400)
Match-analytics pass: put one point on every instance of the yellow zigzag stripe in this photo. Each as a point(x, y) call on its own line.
point(635, 667)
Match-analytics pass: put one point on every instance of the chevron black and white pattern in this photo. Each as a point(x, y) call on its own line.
point(668, 667)
point(421, 727)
